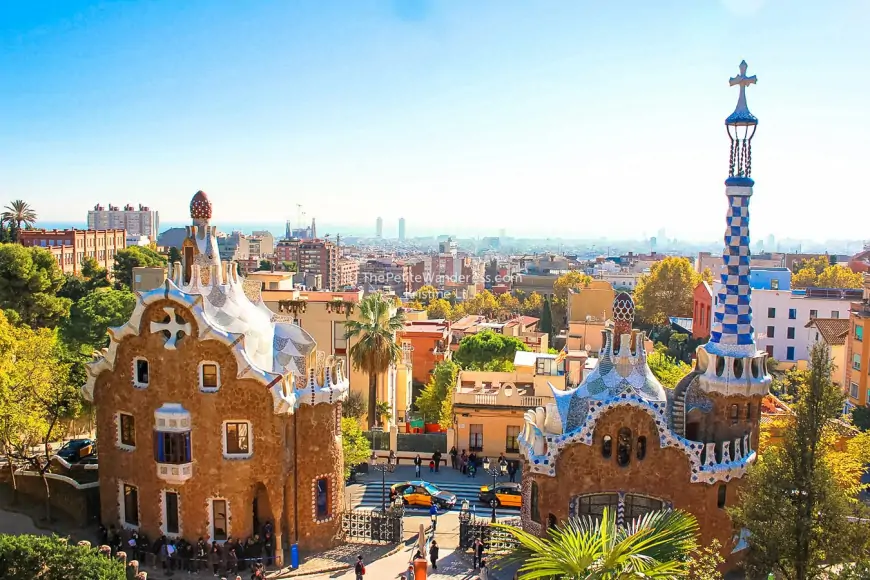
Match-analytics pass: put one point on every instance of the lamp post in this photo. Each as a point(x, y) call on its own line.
point(389, 466)
point(494, 470)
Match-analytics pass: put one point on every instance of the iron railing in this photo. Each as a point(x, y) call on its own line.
point(374, 526)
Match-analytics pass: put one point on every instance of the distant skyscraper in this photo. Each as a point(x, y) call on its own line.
point(379, 228)
point(401, 229)
point(502, 233)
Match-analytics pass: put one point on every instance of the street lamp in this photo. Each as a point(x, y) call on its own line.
point(493, 470)
point(389, 466)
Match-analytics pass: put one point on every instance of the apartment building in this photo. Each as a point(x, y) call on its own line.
point(71, 247)
point(857, 375)
point(141, 220)
point(316, 256)
point(381, 274)
point(428, 342)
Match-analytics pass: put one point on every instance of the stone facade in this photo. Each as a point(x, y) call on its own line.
point(233, 413)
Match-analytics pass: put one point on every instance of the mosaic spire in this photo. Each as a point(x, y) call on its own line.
point(732, 332)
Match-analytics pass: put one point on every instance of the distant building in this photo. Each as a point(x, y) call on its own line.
point(833, 333)
point(385, 274)
point(261, 243)
point(172, 238)
point(312, 257)
point(401, 229)
point(379, 228)
point(148, 278)
point(234, 247)
point(142, 221)
point(702, 309)
point(307, 233)
point(137, 240)
point(71, 247)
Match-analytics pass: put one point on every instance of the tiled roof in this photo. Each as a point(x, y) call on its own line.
point(833, 330)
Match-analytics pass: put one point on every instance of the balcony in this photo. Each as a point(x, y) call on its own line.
point(172, 473)
point(505, 389)
point(861, 308)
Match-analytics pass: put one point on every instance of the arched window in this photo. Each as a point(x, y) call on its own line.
point(735, 414)
point(623, 449)
point(607, 447)
point(641, 447)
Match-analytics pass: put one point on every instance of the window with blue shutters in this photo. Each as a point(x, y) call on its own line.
point(172, 448)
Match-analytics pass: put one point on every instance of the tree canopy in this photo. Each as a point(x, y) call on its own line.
point(25, 557)
point(174, 255)
point(94, 313)
point(486, 348)
point(439, 308)
point(355, 447)
point(533, 304)
point(435, 402)
point(29, 282)
point(799, 497)
point(667, 369)
point(559, 303)
point(483, 303)
point(15, 215)
point(666, 291)
point(820, 273)
point(134, 257)
point(264, 266)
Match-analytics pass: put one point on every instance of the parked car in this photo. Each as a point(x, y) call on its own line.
point(503, 494)
point(422, 493)
point(75, 449)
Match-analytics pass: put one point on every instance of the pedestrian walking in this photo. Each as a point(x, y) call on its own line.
point(454, 460)
point(433, 554)
point(477, 548)
point(432, 466)
point(433, 514)
point(417, 463)
point(360, 568)
point(436, 457)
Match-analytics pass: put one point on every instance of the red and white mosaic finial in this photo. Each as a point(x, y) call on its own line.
point(200, 206)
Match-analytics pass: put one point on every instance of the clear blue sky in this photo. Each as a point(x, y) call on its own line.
point(569, 118)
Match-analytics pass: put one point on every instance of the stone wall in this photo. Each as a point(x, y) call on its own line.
point(662, 474)
point(79, 505)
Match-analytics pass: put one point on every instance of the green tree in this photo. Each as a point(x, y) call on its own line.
point(174, 255)
point(797, 502)
point(91, 316)
point(289, 266)
point(656, 545)
point(36, 395)
point(354, 445)
point(508, 306)
point(483, 303)
point(16, 214)
point(666, 291)
point(264, 266)
point(485, 347)
point(547, 319)
point(374, 347)
point(134, 257)
point(435, 401)
point(354, 405)
point(533, 304)
point(29, 282)
point(427, 294)
point(668, 370)
point(25, 557)
point(704, 562)
point(93, 277)
point(438, 308)
point(861, 418)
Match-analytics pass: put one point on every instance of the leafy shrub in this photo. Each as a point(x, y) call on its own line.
point(53, 558)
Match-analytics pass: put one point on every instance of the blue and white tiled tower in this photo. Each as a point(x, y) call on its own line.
point(731, 363)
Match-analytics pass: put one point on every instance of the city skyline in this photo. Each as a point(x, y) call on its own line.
point(495, 109)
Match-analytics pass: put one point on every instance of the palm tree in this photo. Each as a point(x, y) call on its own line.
point(656, 545)
point(17, 213)
point(375, 348)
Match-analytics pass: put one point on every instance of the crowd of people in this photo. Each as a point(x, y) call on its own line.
point(177, 554)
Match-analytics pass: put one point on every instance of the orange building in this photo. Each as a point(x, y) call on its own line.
point(702, 310)
point(857, 382)
point(428, 342)
point(71, 247)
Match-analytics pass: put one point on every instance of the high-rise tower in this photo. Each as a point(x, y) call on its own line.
point(379, 228)
point(401, 229)
point(730, 362)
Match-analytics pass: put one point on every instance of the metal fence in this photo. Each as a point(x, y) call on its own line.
point(379, 440)
point(422, 442)
point(495, 540)
point(374, 526)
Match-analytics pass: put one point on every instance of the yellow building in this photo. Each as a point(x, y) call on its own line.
point(594, 301)
point(323, 314)
point(832, 332)
point(489, 406)
point(858, 350)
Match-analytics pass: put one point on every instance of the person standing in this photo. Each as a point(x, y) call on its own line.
point(360, 568)
point(417, 463)
point(409, 575)
point(453, 457)
point(512, 471)
point(433, 514)
point(477, 547)
point(436, 457)
point(433, 554)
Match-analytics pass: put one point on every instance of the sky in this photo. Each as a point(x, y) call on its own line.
point(560, 118)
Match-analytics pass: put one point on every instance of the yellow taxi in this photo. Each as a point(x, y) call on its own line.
point(503, 494)
point(423, 494)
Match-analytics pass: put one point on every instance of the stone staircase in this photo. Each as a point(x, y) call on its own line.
point(678, 409)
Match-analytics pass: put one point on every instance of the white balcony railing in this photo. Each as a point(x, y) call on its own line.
point(173, 473)
point(485, 399)
point(532, 402)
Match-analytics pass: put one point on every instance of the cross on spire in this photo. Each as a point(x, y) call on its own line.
point(742, 81)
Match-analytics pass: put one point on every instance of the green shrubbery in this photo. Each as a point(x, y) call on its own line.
point(53, 558)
